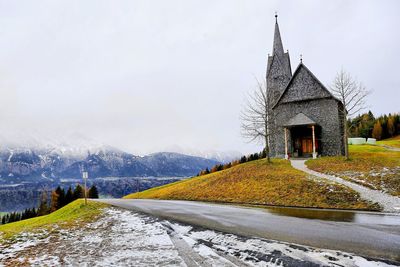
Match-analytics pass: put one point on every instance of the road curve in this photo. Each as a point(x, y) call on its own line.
point(372, 240)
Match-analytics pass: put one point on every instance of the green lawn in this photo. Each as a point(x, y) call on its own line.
point(72, 215)
point(258, 182)
point(372, 166)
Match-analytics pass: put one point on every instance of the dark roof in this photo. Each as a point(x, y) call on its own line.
point(277, 46)
point(278, 53)
point(300, 119)
point(283, 61)
point(301, 65)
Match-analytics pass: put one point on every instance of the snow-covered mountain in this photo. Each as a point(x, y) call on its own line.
point(221, 156)
point(73, 145)
point(22, 164)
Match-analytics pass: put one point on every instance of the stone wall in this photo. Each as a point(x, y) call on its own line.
point(325, 112)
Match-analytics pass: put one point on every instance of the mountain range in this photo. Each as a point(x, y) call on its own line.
point(24, 164)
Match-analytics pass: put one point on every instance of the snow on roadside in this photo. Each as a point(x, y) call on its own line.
point(124, 238)
point(258, 252)
point(21, 243)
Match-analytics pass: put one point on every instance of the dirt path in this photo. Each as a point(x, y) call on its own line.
point(390, 147)
point(388, 202)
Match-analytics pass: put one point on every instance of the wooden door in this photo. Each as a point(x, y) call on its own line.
point(306, 146)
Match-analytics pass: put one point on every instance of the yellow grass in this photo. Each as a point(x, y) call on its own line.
point(258, 182)
point(394, 142)
point(372, 166)
point(74, 214)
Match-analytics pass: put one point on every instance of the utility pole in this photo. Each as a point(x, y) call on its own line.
point(85, 177)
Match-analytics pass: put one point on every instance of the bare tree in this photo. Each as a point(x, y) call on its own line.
point(257, 117)
point(353, 96)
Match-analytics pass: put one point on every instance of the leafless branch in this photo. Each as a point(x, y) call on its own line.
point(256, 116)
point(353, 97)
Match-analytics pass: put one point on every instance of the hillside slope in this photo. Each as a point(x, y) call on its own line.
point(392, 142)
point(372, 166)
point(70, 216)
point(257, 182)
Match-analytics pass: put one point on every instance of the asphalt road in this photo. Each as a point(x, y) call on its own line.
point(367, 238)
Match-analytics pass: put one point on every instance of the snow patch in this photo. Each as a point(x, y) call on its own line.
point(125, 238)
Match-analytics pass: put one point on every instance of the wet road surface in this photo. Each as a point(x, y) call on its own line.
point(372, 234)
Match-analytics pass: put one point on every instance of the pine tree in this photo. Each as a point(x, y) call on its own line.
point(43, 207)
point(34, 212)
point(61, 197)
point(69, 196)
point(377, 131)
point(249, 158)
point(263, 154)
point(24, 214)
point(12, 217)
point(17, 217)
point(78, 192)
point(93, 192)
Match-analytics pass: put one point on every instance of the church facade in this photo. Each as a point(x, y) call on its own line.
point(305, 118)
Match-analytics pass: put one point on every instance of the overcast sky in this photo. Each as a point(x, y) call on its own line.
point(145, 76)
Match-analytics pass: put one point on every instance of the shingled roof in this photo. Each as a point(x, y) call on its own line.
point(299, 119)
point(302, 66)
point(278, 53)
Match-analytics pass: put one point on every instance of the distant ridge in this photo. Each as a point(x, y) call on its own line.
point(24, 164)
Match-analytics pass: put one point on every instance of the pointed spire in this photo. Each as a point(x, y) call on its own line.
point(278, 47)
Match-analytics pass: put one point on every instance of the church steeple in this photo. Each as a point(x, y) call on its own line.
point(278, 67)
point(277, 47)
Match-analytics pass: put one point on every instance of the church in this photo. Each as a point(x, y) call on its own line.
point(305, 118)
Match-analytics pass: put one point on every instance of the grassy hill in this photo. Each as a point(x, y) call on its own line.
point(258, 182)
point(72, 215)
point(372, 166)
point(393, 142)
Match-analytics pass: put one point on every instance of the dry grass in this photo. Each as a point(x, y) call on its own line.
point(258, 182)
point(372, 166)
point(394, 142)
